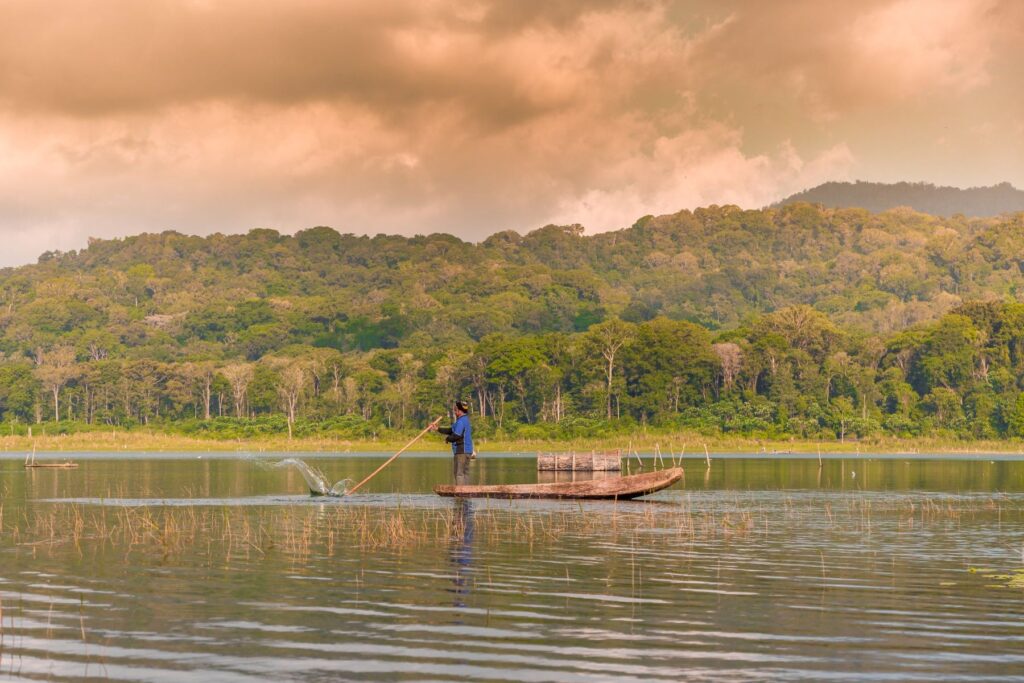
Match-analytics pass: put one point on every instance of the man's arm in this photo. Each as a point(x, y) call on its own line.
point(451, 435)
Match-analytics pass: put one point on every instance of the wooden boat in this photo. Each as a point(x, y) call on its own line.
point(30, 461)
point(618, 488)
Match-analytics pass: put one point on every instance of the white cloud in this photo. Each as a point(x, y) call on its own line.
point(915, 45)
point(699, 168)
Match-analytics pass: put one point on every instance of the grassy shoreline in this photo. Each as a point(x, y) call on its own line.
point(691, 444)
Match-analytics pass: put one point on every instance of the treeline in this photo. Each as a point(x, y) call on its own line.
point(172, 297)
point(792, 321)
point(792, 372)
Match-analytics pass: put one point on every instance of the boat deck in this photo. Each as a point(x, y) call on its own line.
point(613, 488)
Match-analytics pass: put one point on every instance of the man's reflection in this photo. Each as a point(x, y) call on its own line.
point(460, 552)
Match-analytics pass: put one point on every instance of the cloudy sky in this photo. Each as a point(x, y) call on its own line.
point(473, 116)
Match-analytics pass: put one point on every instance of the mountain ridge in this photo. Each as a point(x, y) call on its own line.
point(975, 202)
point(716, 266)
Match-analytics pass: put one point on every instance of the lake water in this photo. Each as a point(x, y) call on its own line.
point(159, 567)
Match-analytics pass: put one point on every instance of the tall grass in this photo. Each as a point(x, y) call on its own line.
point(145, 440)
point(296, 532)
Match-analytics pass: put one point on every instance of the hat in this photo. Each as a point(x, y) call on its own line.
point(462, 405)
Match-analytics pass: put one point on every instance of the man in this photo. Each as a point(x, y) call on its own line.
point(460, 436)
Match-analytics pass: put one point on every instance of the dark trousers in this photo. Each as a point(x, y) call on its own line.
point(460, 468)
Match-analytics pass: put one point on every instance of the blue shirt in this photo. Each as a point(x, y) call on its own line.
point(462, 428)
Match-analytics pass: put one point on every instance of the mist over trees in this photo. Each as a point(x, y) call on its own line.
point(795, 321)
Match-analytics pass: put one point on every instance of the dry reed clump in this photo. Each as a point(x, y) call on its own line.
point(300, 531)
point(223, 533)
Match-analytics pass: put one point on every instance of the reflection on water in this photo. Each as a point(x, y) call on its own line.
point(461, 550)
point(221, 569)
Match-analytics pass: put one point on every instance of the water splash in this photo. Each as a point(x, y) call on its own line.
point(317, 481)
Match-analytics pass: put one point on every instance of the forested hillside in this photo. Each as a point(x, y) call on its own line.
point(924, 197)
point(797, 320)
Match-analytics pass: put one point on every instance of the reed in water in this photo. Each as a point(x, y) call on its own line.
point(219, 533)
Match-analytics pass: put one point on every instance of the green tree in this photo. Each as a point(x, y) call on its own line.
point(842, 413)
point(56, 367)
point(669, 365)
point(18, 391)
point(606, 340)
point(949, 356)
point(1016, 418)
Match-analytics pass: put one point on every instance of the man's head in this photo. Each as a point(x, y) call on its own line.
point(461, 408)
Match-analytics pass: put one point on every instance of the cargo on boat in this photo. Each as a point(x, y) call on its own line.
point(594, 461)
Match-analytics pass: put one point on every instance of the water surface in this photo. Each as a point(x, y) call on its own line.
point(154, 567)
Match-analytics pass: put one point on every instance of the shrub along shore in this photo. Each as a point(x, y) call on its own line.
point(668, 443)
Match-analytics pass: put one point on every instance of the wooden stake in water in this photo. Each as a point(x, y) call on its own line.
point(389, 460)
point(707, 456)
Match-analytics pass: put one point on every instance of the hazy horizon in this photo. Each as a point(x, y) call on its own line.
point(475, 117)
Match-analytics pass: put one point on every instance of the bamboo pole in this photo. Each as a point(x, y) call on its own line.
point(389, 460)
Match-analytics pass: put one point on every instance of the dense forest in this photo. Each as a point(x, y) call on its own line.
point(924, 197)
point(792, 321)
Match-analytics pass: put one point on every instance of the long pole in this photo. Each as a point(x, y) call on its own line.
point(388, 461)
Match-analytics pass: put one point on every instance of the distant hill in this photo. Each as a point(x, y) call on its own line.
point(173, 296)
point(923, 197)
point(802, 316)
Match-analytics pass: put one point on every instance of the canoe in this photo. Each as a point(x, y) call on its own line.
point(617, 488)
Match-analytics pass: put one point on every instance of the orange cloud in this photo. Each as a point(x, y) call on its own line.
point(472, 116)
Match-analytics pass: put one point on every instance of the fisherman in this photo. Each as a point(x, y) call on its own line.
point(460, 436)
